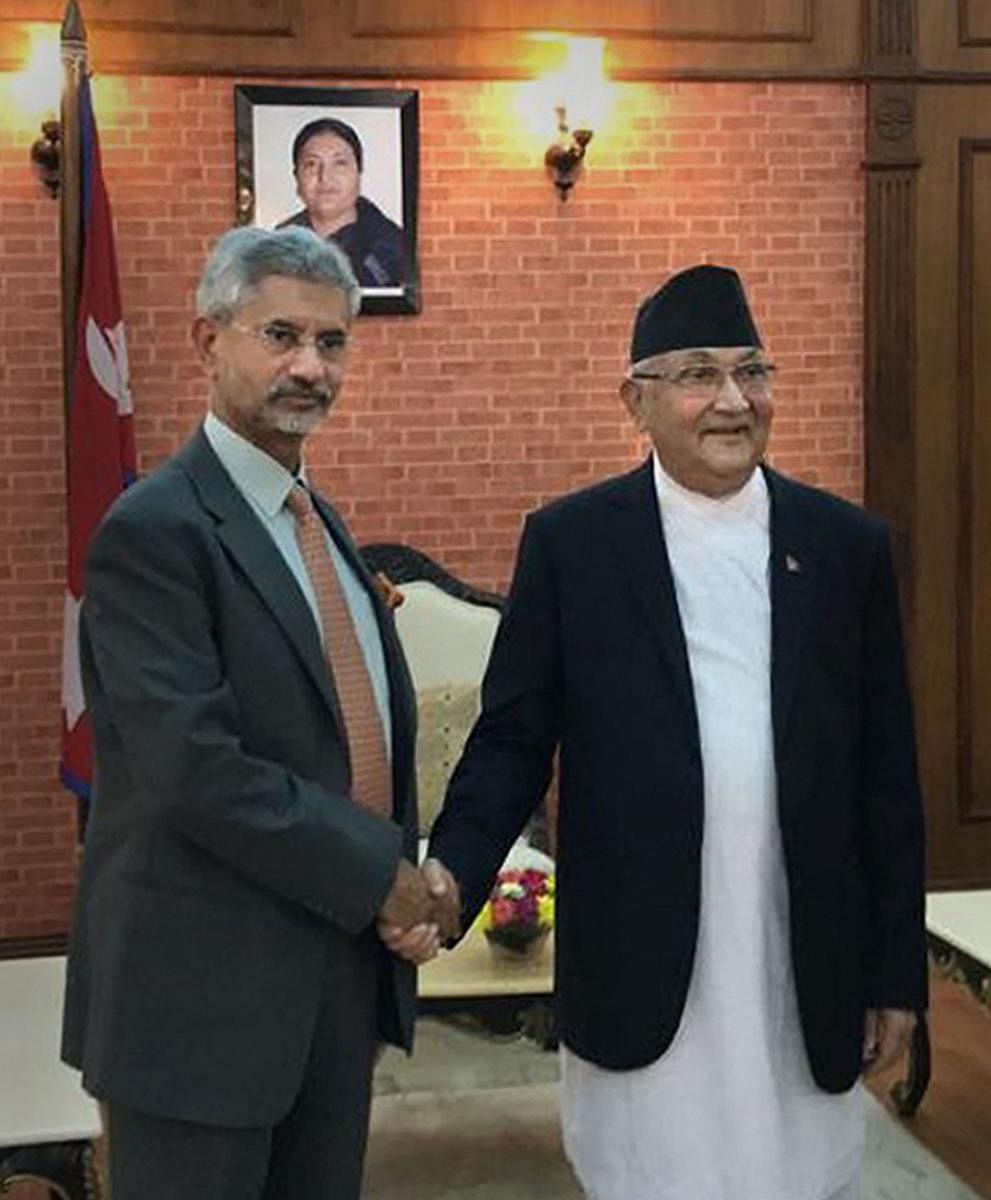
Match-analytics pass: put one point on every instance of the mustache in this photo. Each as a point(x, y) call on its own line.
point(297, 391)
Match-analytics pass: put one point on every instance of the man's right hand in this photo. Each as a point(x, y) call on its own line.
point(422, 910)
point(409, 901)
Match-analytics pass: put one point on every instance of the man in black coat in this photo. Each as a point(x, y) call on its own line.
point(253, 827)
point(715, 652)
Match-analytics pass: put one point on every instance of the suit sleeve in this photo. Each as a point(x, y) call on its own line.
point(893, 820)
point(507, 762)
point(158, 682)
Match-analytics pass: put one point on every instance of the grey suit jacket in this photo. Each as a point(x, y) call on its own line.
point(225, 864)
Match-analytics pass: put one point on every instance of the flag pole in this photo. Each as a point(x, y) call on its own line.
point(75, 65)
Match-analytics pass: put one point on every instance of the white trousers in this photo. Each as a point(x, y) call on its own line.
point(849, 1191)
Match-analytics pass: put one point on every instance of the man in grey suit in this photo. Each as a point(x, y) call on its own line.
point(253, 828)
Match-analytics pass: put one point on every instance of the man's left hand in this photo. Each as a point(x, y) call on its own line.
point(446, 896)
point(418, 944)
point(887, 1035)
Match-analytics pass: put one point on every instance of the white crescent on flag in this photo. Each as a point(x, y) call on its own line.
point(106, 350)
point(73, 699)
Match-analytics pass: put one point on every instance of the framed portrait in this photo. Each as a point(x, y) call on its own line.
point(343, 162)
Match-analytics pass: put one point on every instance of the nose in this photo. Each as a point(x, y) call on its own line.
point(730, 397)
point(306, 364)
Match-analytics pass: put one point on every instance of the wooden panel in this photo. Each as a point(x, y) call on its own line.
point(974, 482)
point(431, 39)
point(975, 22)
point(891, 32)
point(889, 324)
point(951, 586)
point(955, 36)
point(243, 18)
point(774, 20)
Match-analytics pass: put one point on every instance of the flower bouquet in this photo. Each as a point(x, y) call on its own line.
point(519, 912)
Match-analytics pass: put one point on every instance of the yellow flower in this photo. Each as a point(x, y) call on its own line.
point(545, 910)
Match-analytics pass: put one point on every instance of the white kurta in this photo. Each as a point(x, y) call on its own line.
point(731, 1111)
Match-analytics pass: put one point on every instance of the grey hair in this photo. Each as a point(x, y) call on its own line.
point(243, 257)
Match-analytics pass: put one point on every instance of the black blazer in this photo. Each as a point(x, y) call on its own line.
point(227, 876)
point(590, 657)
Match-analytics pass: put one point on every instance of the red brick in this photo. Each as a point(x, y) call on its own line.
point(499, 396)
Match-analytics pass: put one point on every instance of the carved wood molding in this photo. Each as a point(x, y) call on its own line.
point(892, 125)
point(892, 33)
point(890, 323)
point(966, 35)
point(971, 806)
point(889, 364)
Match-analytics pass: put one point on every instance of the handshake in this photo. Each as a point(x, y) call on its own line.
point(421, 912)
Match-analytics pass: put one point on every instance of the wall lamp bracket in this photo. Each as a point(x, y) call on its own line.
point(46, 157)
point(564, 157)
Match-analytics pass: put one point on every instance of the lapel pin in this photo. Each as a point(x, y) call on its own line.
point(792, 564)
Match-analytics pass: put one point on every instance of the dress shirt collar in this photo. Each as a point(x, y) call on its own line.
point(262, 480)
point(750, 500)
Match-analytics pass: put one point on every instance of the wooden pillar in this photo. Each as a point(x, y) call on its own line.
point(892, 164)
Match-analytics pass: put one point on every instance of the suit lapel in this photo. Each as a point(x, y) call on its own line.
point(793, 583)
point(638, 539)
point(258, 557)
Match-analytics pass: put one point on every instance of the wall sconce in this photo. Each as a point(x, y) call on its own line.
point(36, 93)
point(563, 158)
point(576, 90)
point(46, 157)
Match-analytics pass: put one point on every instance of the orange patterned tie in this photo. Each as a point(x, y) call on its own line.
point(371, 777)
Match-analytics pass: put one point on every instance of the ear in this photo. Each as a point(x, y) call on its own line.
point(631, 394)
point(204, 336)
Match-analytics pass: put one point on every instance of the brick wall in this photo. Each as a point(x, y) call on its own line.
point(454, 423)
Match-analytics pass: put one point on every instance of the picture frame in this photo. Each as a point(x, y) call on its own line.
point(344, 160)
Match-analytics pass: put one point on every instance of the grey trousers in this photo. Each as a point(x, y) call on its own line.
point(316, 1150)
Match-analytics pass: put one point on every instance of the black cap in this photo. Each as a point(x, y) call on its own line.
point(703, 306)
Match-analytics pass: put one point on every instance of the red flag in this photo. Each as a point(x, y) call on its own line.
point(101, 455)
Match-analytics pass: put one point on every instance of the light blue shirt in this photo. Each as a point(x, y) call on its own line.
point(265, 484)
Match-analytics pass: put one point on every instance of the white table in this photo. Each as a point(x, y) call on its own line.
point(963, 920)
point(47, 1121)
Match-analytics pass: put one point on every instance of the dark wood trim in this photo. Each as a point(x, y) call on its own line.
point(957, 883)
point(969, 809)
point(890, 325)
point(42, 945)
point(976, 974)
point(892, 32)
point(658, 32)
point(285, 29)
point(428, 73)
point(964, 36)
point(405, 564)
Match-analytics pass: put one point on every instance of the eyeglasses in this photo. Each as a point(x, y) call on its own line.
point(752, 378)
point(281, 338)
